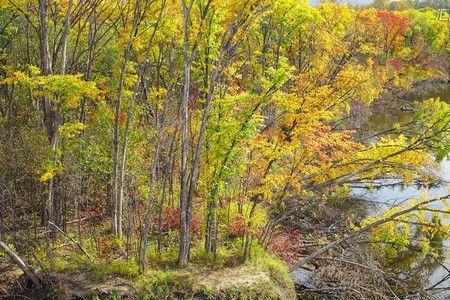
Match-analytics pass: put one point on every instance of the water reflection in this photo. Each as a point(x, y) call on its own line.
point(394, 194)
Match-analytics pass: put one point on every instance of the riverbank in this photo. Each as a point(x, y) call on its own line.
point(73, 277)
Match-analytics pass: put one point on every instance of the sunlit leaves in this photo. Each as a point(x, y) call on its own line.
point(70, 130)
point(418, 233)
point(425, 23)
point(66, 90)
point(395, 157)
point(432, 119)
point(52, 167)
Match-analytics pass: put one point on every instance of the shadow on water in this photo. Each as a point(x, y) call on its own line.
point(391, 193)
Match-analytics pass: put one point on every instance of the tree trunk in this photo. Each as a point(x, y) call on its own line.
point(195, 164)
point(248, 236)
point(64, 38)
point(22, 265)
point(167, 176)
point(210, 218)
point(160, 213)
point(114, 207)
point(45, 63)
point(183, 252)
point(114, 195)
point(124, 159)
point(160, 127)
point(44, 52)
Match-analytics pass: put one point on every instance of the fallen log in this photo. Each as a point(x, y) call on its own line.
point(419, 206)
point(22, 265)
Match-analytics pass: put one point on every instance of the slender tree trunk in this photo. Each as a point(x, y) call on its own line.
point(211, 231)
point(65, 37)
point(124, 159)
point(114, 206)
point(195, 164)
point(167, 176)
point(160, 128)
point(45, 62)
point(160, 213)
point(248, 236)
point(115, 172)
point(55, 195)
point(214, 245)
point(148, 217)
point(48, 109)
point(183, 253)
point(210, 218)
point(90, 59)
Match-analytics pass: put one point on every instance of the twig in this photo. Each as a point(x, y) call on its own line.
point(73, 240)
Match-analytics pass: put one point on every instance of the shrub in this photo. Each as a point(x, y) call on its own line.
point(236, 228)
point(171, 221)
point(108, 244)
point(287, 246)
point(167, 257)
point(60, 264)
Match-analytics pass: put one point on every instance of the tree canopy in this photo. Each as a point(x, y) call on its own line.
point(143, 126)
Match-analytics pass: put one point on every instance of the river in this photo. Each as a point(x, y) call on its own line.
point(392, 195)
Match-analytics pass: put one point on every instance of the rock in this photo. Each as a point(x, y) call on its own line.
point(303, 278)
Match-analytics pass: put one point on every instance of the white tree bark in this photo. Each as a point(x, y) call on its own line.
point(22, 265)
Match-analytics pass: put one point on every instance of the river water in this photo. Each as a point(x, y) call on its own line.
point(389, 196)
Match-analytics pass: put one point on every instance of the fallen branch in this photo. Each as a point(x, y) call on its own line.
point(72, 239)
point(22, 265)
point(310, 257)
